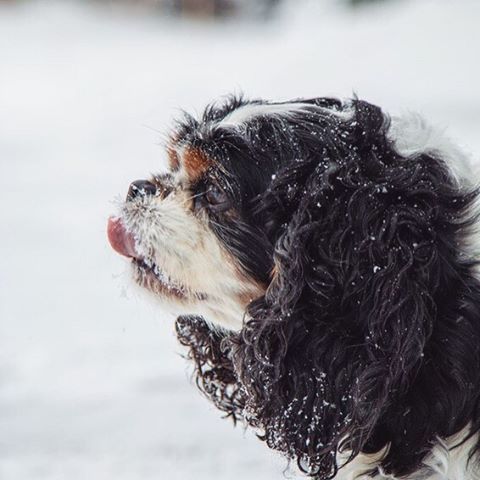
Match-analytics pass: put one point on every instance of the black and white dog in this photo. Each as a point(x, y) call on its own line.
point(321, 257)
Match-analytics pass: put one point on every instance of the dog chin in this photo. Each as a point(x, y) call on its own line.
point(148, 275)
point(177, 300)
point(220, 314)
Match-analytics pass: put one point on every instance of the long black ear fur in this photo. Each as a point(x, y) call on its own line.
point(369, 335)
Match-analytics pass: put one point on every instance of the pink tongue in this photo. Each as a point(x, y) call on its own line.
point(121, 240)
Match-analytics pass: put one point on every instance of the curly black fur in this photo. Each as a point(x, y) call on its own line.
point(215, 375)
point(368, 335)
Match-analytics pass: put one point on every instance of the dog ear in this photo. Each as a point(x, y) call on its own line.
point(360, 262)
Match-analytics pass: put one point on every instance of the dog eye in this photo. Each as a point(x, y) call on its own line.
point(215, 196)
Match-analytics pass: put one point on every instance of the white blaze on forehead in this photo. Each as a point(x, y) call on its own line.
point(250, 111)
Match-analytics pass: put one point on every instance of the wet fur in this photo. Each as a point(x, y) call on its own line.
point(367, 338)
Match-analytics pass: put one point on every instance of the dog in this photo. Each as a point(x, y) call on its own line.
point(321, 257)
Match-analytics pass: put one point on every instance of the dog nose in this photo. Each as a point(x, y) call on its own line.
point(141, 188)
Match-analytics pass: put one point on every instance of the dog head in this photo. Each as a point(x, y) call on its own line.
point(319, 261)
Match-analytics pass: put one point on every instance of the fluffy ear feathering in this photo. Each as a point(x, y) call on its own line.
point(366, 341)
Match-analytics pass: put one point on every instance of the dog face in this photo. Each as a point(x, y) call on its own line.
point(316, 252)
point(176, 254)
point(197, 235)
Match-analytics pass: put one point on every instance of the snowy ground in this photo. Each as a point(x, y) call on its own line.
point(91, 383)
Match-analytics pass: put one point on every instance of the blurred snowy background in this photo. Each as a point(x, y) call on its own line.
point(91, 381)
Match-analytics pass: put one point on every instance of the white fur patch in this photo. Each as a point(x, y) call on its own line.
point(248, 112)
point(413, 136)
point(445, 462)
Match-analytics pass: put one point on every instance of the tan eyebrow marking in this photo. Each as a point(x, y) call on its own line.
point(195, 163)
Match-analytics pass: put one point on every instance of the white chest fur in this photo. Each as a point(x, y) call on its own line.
point(447, 461)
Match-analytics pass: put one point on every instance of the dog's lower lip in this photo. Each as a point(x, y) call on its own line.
point(167, 285)
point(153, 270)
